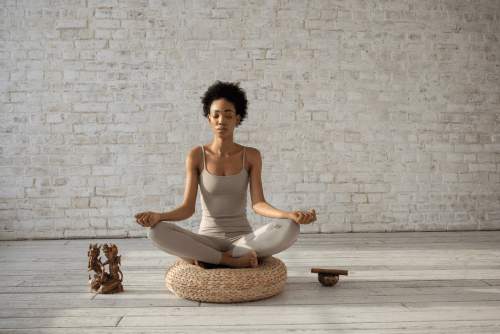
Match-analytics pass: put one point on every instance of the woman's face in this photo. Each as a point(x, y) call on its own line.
point(223, 117)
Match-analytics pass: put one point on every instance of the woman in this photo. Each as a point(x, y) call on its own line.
point(223, 170)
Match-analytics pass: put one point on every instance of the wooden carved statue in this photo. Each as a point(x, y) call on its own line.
point(111, 283)
point(95, 264)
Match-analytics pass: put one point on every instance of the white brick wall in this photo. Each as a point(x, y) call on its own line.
point(381, 115)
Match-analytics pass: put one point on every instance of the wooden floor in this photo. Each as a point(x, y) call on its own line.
point(425, 282)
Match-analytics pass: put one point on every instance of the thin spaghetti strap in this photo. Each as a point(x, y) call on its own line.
point(244, 149)
point(204, 163)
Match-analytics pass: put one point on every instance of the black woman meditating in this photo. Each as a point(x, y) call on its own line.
point(223, 169)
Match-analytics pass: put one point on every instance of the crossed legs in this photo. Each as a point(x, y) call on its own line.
point(270, 239)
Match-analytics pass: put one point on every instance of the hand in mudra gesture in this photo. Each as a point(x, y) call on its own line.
point(147, 219)
point(303, 217)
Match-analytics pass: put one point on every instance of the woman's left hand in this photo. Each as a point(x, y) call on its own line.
point(303, 217)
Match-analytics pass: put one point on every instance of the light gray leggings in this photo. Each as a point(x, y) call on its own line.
point(189, 246)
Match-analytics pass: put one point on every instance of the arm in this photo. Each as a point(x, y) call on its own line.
point(103, 267)
point(188, 206)
point(259, 203)
point(267, 210)
point(180, 213)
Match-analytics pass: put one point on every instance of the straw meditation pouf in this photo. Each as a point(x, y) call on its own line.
point(226, 285)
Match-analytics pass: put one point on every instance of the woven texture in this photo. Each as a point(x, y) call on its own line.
point(227, 285)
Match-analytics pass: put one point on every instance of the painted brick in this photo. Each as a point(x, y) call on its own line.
point(60, 23)
point(100, 103)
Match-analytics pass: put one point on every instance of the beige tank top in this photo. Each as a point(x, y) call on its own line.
point(224, 202)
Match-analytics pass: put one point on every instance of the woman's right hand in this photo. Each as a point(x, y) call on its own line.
point(147, 219)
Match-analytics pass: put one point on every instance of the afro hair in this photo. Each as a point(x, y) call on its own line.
point(228, 91)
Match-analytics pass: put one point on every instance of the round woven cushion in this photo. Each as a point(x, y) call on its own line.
point(226, 285)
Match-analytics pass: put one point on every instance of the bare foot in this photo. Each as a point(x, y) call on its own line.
point(200, 264)
point(249, 260)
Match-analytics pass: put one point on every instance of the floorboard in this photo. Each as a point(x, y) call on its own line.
point(405, 282)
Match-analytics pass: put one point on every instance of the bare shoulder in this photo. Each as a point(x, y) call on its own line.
point(195, 153)
point(196, 150)
point(252, 152)
point(253, 156)
point(194, 157)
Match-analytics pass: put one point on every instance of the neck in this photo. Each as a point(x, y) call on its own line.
point(223, 146)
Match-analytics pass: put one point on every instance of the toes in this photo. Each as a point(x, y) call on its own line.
point(254, 262)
